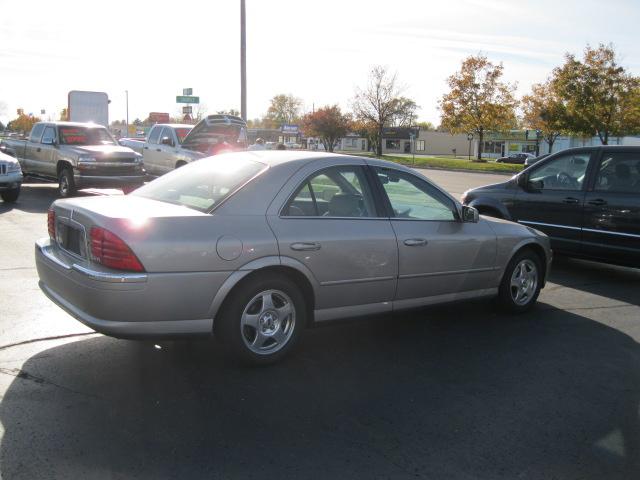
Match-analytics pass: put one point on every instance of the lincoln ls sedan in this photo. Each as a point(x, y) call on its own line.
point(253, 247)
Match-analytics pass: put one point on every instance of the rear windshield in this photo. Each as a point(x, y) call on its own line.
point(203, 184)
point(85, 136)
point(181, 133)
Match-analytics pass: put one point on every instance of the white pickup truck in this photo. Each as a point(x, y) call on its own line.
point(162, 150)
point(170, 146)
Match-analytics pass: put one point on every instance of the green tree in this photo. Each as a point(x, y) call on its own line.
point(478, 101)
point(380, 104)
point(600, 97)
point(284, 109)
point(544, 111)
point(426, 126)
point(328, 123)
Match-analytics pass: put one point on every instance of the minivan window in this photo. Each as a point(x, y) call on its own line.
point(565, 172)
point(619, 172)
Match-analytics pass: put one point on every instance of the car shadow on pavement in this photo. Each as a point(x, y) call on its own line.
point(36, 198)
point(610, 281)
point(449, 392)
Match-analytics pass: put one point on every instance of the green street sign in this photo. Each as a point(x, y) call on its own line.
point(187, 99)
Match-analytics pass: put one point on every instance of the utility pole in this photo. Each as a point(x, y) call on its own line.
point(243, 61)
point(127, 126)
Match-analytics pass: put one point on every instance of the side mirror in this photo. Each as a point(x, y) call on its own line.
point(470, 214)
point(521, 180)
point(167, 141)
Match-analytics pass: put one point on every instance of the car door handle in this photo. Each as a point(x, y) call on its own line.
point(415, 242)
point(146, 148)
point(597, 202)
point(571, 200)
point(158, 150)
point(305, 246)
point(38, 149)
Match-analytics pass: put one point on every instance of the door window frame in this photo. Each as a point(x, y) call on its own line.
point(380, 211)
point(596, 161)
point(587, 184)
point(382, 193)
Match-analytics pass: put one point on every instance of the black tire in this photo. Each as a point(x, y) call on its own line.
point(66, 183)
point(180, 164)
point(10, 196)
point(516, 293)
point(129, 188)
point(236, 335)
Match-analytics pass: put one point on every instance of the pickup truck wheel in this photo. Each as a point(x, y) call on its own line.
point(66, 185)
point(10, 196)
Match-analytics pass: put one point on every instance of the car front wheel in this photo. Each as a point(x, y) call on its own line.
point(263, 319)
point(521, 282)
point(66, 184)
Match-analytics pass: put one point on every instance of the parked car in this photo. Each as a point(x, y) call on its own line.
point(530, 161)
point(255, 246)
point(517, 158)
point(586, 199)
point(78, 155)
point(10, 178)
point(6, 149)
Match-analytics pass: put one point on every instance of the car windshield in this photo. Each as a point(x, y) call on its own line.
point(203, 184)
point(85, 136)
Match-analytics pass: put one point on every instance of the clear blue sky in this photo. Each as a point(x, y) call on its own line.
point(318, 51)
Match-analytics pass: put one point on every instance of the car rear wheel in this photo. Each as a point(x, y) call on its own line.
point(262, 319)
point(10, 196)
point(66, 184)
point(521, 282)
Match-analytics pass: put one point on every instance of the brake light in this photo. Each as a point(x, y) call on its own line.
point(110, 250)
point(51, 223)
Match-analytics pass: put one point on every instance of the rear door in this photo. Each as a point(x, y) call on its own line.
point(167, 154)
point(611, 228)
point(31, 147)
point(440, 257)
point(331, 224)
point(554, 199)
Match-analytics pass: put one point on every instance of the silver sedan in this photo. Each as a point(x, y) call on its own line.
point(253, 247)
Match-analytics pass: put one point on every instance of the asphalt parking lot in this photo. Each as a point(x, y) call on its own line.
point(453, 392)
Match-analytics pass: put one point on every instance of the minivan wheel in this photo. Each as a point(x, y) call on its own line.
point(262, 319)
point(521, 282)
point(10, 196)
point(66, 184)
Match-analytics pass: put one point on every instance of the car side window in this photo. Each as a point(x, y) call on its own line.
point(166, 132)
point(49, 134)
point(36, 133)
point(619, 172)
point(413, 198)
point(154, 135)
point(566, 172)
point(336, 192)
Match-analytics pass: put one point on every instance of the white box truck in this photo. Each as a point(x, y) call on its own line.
point(89, 107)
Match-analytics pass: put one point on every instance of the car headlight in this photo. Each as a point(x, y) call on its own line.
point(13, 167)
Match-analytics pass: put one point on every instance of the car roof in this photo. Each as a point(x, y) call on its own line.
point(280, 157)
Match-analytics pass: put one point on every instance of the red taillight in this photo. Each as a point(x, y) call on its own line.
point(109, 250)
point(51, 223)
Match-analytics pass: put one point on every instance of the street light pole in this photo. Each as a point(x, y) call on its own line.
point(127, 101)
point(243, 61)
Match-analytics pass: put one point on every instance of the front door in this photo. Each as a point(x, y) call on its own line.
point(611, 229)
point(553, 199)
point(331, 225)
point(440, 257)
